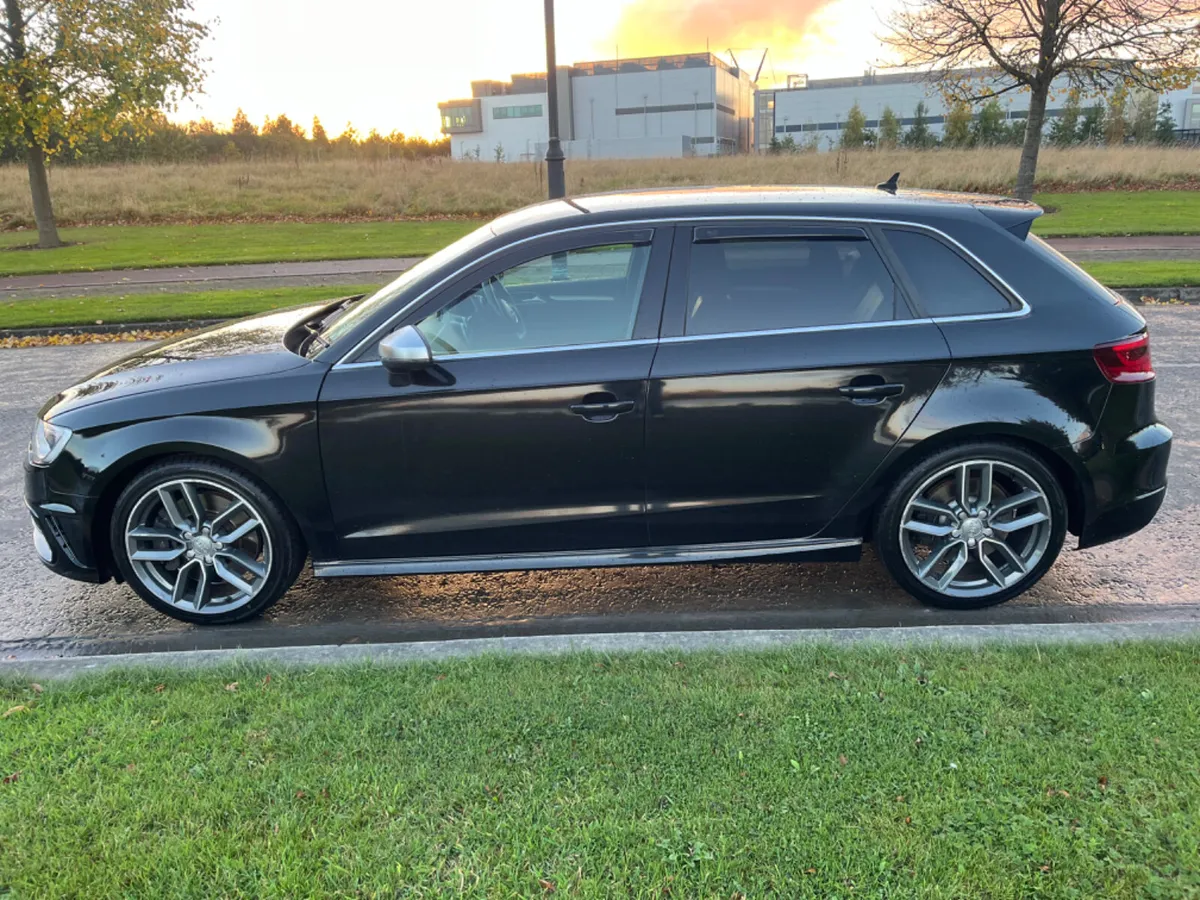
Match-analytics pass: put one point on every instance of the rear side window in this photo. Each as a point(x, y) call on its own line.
point(946, 283)
point(764, 284)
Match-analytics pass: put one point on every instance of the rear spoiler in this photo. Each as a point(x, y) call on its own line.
point(1014, 216)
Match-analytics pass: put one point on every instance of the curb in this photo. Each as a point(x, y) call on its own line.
point(632, 642)
point(1151, 296)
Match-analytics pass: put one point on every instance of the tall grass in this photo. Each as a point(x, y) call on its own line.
point(443, 187)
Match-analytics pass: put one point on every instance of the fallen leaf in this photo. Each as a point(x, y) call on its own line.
point(1104, 782)
point(842, 759)
point(232, 686)
point(159, 688)
point(12, 710)
point(1044, 868)
point(10, 779)
point(833, 676)
point(547, 886)
point(267, 680)
point(440, 678)
point(300, 795)
point(899, 798)
point(810, 871)
point(35, 687)
point(131, 767)
point(908, 820)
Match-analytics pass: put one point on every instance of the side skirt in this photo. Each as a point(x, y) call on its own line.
point(806, 549)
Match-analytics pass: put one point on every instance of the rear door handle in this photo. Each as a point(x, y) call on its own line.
point(870, 393)
point(602, 406)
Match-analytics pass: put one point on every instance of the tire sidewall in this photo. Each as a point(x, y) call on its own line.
point(887, 526)
point(287, 557)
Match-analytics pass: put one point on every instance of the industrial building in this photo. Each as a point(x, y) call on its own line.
point(814, 111)
point(666, 106)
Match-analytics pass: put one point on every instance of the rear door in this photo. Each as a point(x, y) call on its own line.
point(790, 364)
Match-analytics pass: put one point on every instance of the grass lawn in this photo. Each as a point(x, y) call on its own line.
point(1169, 273)
point(151, 246)
point(1119, 212)
point(163, 307)
point(810, 772)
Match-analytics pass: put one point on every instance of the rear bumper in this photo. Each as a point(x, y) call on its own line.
point(61, 529)
point(1129, 484)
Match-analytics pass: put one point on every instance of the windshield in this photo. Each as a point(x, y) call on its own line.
point(362, 310)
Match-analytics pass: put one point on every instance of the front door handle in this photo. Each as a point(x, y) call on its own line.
point(602, 406)
point(870, 391)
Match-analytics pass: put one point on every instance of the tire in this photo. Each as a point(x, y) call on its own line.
point(239, 558)
point(926, 525)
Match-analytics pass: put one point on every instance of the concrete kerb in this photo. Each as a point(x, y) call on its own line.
point(635, 642)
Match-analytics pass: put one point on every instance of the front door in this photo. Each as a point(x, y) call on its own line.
point(527, 436)
point(790, 364)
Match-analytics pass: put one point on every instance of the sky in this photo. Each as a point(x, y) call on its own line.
point(385, 64)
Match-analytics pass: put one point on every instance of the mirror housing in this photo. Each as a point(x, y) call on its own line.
point(405, 350)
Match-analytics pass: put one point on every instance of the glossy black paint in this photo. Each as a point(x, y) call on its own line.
point(731, 438)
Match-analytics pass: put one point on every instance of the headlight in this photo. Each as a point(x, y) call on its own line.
point(48, 441)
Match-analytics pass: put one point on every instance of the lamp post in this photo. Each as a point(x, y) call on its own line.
point(556, 178)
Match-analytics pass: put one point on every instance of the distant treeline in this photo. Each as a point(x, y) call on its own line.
point(1124, 119)
point(162, 141)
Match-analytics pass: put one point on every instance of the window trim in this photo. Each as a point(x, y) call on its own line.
point(679, 225)
point(920, 308)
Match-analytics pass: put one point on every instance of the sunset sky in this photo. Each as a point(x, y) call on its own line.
point(386, 63)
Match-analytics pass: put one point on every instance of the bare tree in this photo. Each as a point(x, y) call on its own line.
point(1095, 44)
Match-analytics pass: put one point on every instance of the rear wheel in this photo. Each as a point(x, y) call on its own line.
point(973, 525)
point(202, 542)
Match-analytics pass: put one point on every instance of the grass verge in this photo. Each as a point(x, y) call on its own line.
point(1109, 213)
point(163, 307)
point(1138, 273)
point(812, 772)
point(155, 246)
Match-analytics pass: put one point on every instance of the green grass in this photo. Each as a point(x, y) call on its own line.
point(1137, 273)
point(1119, 212)
point(151, 246)
point(814, 772)
point(163, 307)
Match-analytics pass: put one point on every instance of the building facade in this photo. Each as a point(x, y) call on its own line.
point(813, 111)
point(670, 106)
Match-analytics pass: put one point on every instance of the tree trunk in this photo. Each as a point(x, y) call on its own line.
point(1033, 143)
point(39, 187)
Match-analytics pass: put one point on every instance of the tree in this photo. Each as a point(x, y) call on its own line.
point(919, 136)
point(1096, 44)
point(1164, 125)
point(1064, 131)
point(1143, 117)
point(990, 128)
point(957, 129)
point(320, 140)
point(889, 129)
point(67, 68)
point(854, 135)
point(1115, 125)
point(1091, 125)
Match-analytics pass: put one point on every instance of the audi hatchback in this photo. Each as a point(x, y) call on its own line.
point(668, 376)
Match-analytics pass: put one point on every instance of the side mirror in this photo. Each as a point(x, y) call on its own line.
point(404, 350)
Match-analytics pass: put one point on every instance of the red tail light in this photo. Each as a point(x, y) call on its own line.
point(1126, 360)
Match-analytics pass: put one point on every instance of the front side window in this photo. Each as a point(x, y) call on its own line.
point(575, 297)
point(946, 283)
point(737, 286)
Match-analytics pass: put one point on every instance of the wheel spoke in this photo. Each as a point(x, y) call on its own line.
point(1015, 502)
point(993, 572)
point(985, 483)
point(928, 528)
point(238, 533)
point(227, 575)
point(931, 506)
point(935, 557)
point(954, 568)
point(962, 485)
point(198, 598)
point(147, 533)
point(195, 507)
point(219, 520)
point(171, 508)
point(1017, 524)
point(1006, 551)
point(157, 555)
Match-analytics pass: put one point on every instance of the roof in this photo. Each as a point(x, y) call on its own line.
point(767, 201)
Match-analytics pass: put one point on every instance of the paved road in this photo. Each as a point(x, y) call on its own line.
point(377, 271)
point(1152, 576)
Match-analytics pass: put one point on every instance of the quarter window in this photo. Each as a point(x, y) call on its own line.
point(517, 112)
point(585, 296)
point(761, 284)
point(946, 283)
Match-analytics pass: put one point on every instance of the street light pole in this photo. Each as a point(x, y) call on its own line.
point(556, 178)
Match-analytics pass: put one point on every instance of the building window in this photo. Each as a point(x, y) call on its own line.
point(457, 117)
point(532, 111)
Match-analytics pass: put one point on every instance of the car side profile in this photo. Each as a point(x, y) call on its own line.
point(668, 376)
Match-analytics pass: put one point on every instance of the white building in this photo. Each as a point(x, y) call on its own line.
point(815, 109)
point(670, 106)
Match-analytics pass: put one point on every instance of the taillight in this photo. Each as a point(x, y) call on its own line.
point(1125, 360)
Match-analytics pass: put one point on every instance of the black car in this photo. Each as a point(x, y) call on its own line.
point(667, 376)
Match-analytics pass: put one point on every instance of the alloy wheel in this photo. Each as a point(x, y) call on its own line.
point(975, 528)
point(198, 545)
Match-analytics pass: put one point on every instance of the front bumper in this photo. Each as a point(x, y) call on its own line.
point(62, 529)
point(1129, 484)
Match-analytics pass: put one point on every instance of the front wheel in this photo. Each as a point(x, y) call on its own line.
point(973, 525)
point(202, 542)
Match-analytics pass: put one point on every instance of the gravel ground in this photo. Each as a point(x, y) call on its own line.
point(1153, 575)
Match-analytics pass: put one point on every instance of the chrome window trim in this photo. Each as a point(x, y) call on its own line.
point(1023, 310)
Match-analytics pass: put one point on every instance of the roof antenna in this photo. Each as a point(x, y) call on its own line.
point(890, 185)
